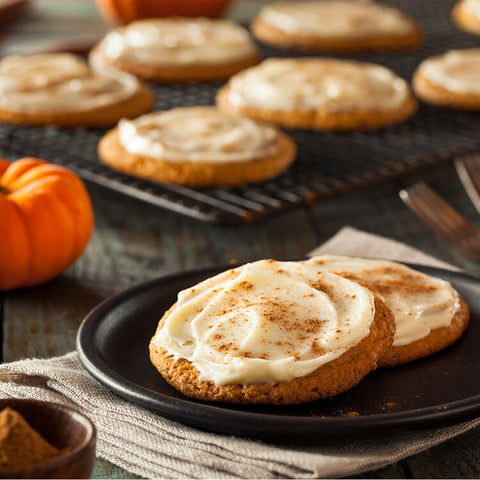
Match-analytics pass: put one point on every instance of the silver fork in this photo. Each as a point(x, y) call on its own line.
point(443, 219)
point(468, 169)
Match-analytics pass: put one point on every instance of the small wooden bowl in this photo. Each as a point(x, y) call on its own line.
point(63, 427)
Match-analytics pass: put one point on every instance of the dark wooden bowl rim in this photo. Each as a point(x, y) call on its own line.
point(64, 458)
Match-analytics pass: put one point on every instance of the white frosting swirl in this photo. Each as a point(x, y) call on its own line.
point(420, 303)
point(266, 321)
point(198, 134)
point(179, 42)
point(471, 7)
point(317, 83)
point(456, 70)
point(336, 18)
point(58, 82)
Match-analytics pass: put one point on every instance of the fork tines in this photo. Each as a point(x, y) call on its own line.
point(443, 219)
point(468, 169)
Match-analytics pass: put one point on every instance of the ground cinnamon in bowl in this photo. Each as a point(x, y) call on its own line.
point(20, 444)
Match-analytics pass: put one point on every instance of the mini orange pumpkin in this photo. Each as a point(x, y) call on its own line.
point(46, 220)
point(121, 12)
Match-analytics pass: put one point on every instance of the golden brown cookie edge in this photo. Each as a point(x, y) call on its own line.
point(322, 119)
point(100, 117)
point(464, 20)
point(437, 340)
point(330, 379)
point(196, 174)
point(172, 74)
point(273, 36)
point(441, 97)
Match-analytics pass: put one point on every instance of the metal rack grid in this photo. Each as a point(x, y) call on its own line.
point(328, 163)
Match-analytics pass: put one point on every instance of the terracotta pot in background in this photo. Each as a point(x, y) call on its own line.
point(121, 12)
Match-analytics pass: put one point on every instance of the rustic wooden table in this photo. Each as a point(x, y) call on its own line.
point(134, 242)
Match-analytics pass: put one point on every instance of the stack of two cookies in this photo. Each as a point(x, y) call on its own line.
point(281, 333)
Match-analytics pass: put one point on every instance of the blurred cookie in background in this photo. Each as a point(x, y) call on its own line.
point(450, 80)
point(338, 26)
point(466, 14)
point(178, 49)
point(61, 89)
point(319, 94)
point(198, 147)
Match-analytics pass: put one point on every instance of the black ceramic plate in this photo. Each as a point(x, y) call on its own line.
point(436, 391)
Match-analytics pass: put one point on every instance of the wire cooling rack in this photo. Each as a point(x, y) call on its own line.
point(328, 163)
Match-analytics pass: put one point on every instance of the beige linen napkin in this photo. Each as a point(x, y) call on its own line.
point(152, 446)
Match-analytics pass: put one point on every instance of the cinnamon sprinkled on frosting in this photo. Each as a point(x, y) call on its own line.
point(312, 83)
point(266, 321)
point(60, 82)
point(198, 134)
point(420, 302)
point(179, 41)
point(455, 70)
point(337, 18)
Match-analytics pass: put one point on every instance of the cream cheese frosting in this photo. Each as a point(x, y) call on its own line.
point(471, 7)
point(179, 42)
point(338, 18)
point(198, 134)
point(266, 321)
point(318, 83)
point(456, 70)
point(420, 303)
point(61, 81)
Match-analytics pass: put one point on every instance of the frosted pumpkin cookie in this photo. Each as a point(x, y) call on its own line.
point(450, 80)
point(466, 14)
point(197, 146)
point(178, 49)
point(340, 25)
point(319, 93)
point(61, 89)
point(429, 313)
point(273, 333)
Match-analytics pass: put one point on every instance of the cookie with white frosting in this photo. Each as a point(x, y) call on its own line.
point(271, 332)
point(198, 147)
point(319, 93)
point(177, 49)
point(429, 313)
point(466, 14)
point(450, 80)
point(340, 26)
point(61, 89)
